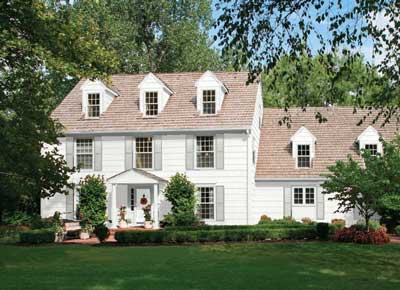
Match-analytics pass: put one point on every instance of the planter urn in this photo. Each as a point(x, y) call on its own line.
point(84, 235)
point(148, 225)
point(123, 224)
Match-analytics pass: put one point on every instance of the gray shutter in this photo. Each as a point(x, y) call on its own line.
point(189, 152)
point(98, 148)
point(220, 203)
point(320, 204)
point(157, 152)
point(287, 200)
point(122, 195)
point(69, 204)
point(69, 151)
point(219, 142)
point(128, 152)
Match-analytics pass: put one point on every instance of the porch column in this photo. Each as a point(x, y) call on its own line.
point(156, 224)
point(114, 206)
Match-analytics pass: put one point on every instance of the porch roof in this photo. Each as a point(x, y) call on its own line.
point(135, 175)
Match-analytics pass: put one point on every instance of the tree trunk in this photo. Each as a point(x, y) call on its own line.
point(367, 217)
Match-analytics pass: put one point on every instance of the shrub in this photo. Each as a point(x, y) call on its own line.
point(264, 219)
point(336, 225)
point(215, 235)
point(323, 230)
point(101, 232)
point(307, 221)
point(227, 227)
point(43, 236)
point(92, 200)
point(10, 234)
point(354, 235)
point(20, 218)
point(397, 230)
point(373, 225)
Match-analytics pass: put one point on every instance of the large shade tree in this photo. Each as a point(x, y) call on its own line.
point(260, 32)
point(37, 38)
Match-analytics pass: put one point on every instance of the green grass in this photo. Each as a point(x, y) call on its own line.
point(310, 265)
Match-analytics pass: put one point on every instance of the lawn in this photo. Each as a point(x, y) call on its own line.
point(310, 265)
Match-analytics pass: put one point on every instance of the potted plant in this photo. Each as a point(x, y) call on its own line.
point(123, 223)
point(57, 227)
point(147, 217)
point(86, 229)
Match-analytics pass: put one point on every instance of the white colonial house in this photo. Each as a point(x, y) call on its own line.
point(139, 130)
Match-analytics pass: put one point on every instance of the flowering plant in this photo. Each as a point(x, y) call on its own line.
point(122, 213)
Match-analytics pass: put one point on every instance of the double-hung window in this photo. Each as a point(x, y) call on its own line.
point(144, 152)
point(303, 156)
point(84, 153)
point(209, 105)
point(93, 110)
point(372, 148)
point(207, 202)
point(304, 196)
point(151, 103)
point(205, 151)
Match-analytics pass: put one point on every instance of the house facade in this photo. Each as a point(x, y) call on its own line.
point(138, 130)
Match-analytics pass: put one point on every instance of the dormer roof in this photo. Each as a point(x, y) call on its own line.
point(208, 78)
point(89, 85)
point(303, 135)
point(150, 80)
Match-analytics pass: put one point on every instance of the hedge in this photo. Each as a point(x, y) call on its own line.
point(238, 227)
point(209, 235)
point(43, 236)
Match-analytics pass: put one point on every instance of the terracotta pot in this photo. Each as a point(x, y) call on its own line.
point(122, 224)
point(84, 235)
point(148, 224)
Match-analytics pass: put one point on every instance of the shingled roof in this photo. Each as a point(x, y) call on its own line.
point(335, 140)
point(180, 112)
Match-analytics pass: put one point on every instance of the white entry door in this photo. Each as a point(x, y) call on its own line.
point(143, 196)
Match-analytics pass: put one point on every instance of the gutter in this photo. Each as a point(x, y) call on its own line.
point(291, 179)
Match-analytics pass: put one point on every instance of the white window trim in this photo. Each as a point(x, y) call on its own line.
point(86, 95)
point(296, 155)
point(152, 154)
point(195, 153)
point(304, 204)
point(76, 156)
point(372, 143)
point(215, 101)
point(143, 99)
point(214, 198)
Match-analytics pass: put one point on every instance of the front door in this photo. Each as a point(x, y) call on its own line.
point(142, 198)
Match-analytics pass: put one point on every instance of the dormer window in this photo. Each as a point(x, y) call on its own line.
point(369, 140)
point(209, 105)
point(210, 94)
point(93, 105)
point(303, 156)
point(151, 100)
point(303, 147)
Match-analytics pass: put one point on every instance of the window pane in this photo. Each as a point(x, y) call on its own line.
point(151, 103)
point(303, 156)
point(310, 196)
point(298, 195)
point(205, 151)
point(144, 152)
point(209, 102)
point(373, 148)
point(93, 105)
point(84, 153)
point(206, 206)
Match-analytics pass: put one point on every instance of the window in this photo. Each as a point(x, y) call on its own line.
point(144, 152)
point(132, 199)
point(303, 156)
point(84, 153)
point(208, 102)
point(151, 101)
point(206, 206)
point(304, 195)
point(205, 152)
point(372, 148)
point(93, 105)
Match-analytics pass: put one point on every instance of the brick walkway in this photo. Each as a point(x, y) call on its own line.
point(110, 239)
point(394, 239)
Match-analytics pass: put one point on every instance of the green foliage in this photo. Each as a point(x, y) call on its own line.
point(323, 230)
point(19, 218)
point(264, 219)
point(254, 233)
point(101, 232)
point(372, 225)
point(230, 227)
point(43, 236)
point(397, 230)
point(92, 200)
point(147, 213)
point(180, 192)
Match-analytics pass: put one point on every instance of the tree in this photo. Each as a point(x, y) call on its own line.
point(38, 38)
point(92, 201)
point(260, 32)
point(367, 186)
point(180, 192)
point(289, 83)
